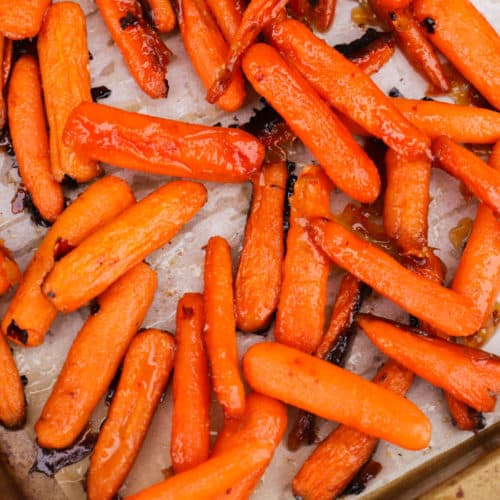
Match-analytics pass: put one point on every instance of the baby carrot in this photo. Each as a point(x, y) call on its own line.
point(301, 309)
point(163, 15)
point(10, 275)
point(142, 49)
point(417, 295)
point(228, 14)
point(375, 55)
point(463, 417)
point(220, 329)
point(313, 122)
point(30, 313)
point(190, 441)
point(310, 383)
point(21, 18)
point(121, 244)
point(94, 357)
point(165, 147)
point(258, 280)
point(30, 140)
point(323, 14)
point(146, 368)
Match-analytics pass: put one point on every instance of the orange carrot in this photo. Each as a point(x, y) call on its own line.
point(121, 244)
point(228, 14)
point(375, 55)
point(28, 130)
point(419, 296)
point(10, 275)
point(323, 14)
point(220, 330)
point(161, 146)
point(258, 280)
point(190, 441)
point(163, 15)
point(463, 417)
point(313, 122)
point(3, 109)
point(30, 313)
point(495, 156)
point(8, 52)
point(21, 18)
point(94, 357)
point(146, 368)
point(310, 383)
point(124, 20)
point(466, 373)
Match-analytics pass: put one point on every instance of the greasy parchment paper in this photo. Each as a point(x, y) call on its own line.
point(180, 268)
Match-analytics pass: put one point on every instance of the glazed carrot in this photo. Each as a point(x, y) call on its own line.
point(466, 38)
point(419, 296)
point(313, 122)
point(124, 20)
point(21, 18)
point(66, 83)
point(301, 309)
point(494, 160)
point(220, 329)
point(190, 441)
point(464, 417)
point(30, 313)
point(121, 244)
point(375, 55)
point(207, 50)
point(163, 15)
point(323, 14)
point(466, 373)
point(228, 14)
point(335, 462)
point(258, 280)
point(347, 88)
point(146, 368)
point(212, 478)
point(30, 140)
point(310, 383)
point(10, 275)
point(162, 146)
point(481, 180)
point(94, 357)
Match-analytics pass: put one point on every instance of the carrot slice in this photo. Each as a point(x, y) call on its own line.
point(165, 147)
point(94, 357)
point(313, 122)
point(375, 55)
point(30, 313)
point(310, 383)
point(419, 296)
point(258, 280)
point(220, 332)
point(21, 18)
point(124, 20)
point(190, 441)
point(301, 310)
point(121, 244)
point(10, 275)
point(228, 15)
point(28, 130)
point(146, 368)
point(163, 15)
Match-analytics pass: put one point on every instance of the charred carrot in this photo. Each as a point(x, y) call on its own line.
point(220, 330)
point(146, 368)
point(121, 244)
point(190, 441)
point(417, 295)
point(301, 309)
point(228, 14)
point(313, 122)
point(163, 15)
point(124, 20)
point(10, 275)
point(94, 357)
point(312, 381)
point(162, 146)
point(375, 55)
point(30, 313)
point(258, 280)
point(21, 18)
point(30, 140)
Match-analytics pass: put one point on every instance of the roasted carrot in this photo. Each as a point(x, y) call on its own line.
point(220, 329)
point(466, 38)
point(163, 15)
point(463, 416)
point(258, 280)
point(228, 15)
point(468, 374)
point(28, 130)
point(21, 18)
point(8, 52)
point(121, 244)
point(301, 309)
point(124, 20)
point(310, 383)
point(417, 295)
point(162, 146)
point(146, 368)
point(30, 313)
point(313, 122)
point(481, 180)
point(375, 55)
point(94, 357)
point(207, 50)
point(347, 88)
point(10, 275)
point(190, 441)
point(323, 14)
point(3, 109)
point(494, 160)
point(335, 462)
